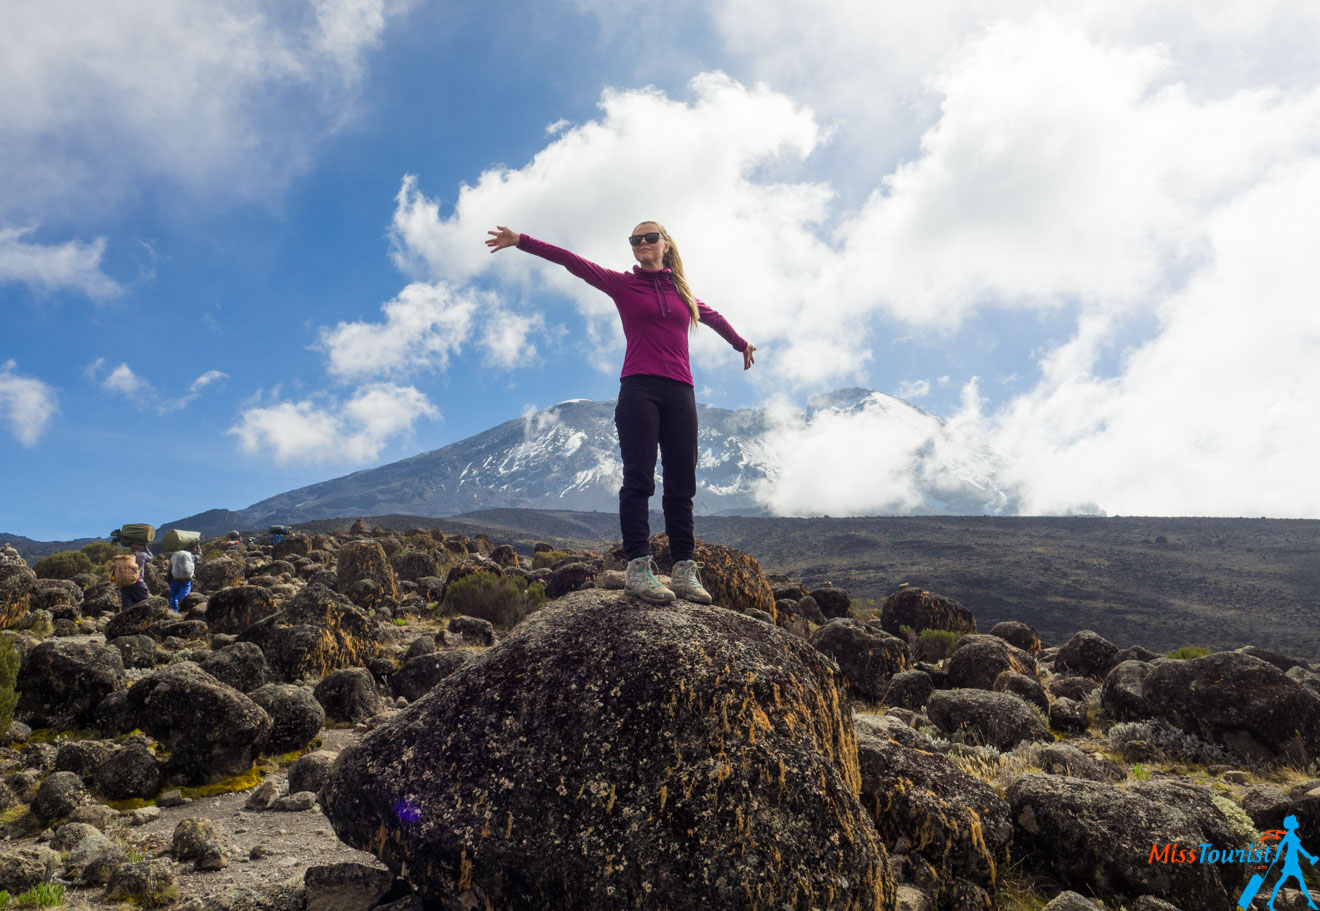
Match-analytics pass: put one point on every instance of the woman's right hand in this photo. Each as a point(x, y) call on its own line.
point(501, 238)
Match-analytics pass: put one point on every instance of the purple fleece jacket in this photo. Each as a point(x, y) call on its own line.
point(655, 319)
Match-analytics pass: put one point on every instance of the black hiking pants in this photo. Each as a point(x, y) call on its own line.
point(657, 412)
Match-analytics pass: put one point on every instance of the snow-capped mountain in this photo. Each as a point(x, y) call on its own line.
point(567, 457)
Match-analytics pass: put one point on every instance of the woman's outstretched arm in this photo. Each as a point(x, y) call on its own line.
point(598, 277)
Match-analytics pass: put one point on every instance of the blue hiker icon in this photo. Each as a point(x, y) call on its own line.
point(1290, 845)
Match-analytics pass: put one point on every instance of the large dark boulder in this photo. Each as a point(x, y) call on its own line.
point(59, 795)
point(135, 651)
point(82, 757)
point(241, 665)
point(957, 827)
point(211, 730)
point(1247, 705)
point(62, 681)
point(867, 657)
point(419, 675)
point(977, 661)
point(1086, 654)
point(1018, 634)
point(919, 609)
point(291, 546)
point(232, 610)
point(1094, 837)
point(131, 772)
point(17, 586)
point(61, 597)
point(296, 716)
point(348, 695)
point(610, 754)
point(833, 602)
point(318, 632)
point(411, 565)
point(141, 619)
point(367, 560)
point(1124, 691)
point(214, 576)
point(997, 719)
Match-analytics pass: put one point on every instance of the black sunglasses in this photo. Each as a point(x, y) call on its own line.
point(650, 237)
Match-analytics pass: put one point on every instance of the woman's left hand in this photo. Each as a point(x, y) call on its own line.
point(748, 360)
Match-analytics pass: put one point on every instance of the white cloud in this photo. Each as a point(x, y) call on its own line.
point(350, 432)
point(883, 457)
point(424, 325)
point(222, 99)
point(125, 382)
point(913, 389)
point(504, 339)
point(26, 404)
point(50, 267)
point(207, 379)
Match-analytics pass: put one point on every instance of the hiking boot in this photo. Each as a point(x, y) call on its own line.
point(643, 584)
point(687, 584)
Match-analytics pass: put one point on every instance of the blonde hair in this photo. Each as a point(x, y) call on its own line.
point(675, 264)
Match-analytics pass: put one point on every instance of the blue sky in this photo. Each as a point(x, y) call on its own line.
point(241, 243)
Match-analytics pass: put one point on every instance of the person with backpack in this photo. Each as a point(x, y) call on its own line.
point(128, 572)
point(183, 563)
point(657, 407)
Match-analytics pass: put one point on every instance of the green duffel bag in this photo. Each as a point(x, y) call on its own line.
point(233, 536)
point(280, 530)
point(177, 539)
point(137, 534)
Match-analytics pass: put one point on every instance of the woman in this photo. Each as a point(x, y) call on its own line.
point(657, 407)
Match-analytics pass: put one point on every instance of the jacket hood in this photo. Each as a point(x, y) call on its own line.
point(653, 276)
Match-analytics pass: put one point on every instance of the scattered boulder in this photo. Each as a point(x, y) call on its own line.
point(17, 586)
point(1086, 654)
point(474, 630)
point(59, 795)
point(1018, 634)
point(346, 886)
point(957, 827)
point(291, 546)
point(628, 731)
point(919, 610)
point(867, 657)
point(1093, 836)
point(61, 597)
point(310, 771)
point(366, 560)
point(240, 665)
point(131, 772)
point(26, 867)
point(82, 757)
point(296, 716)
point(1124, 694)
point(214, 576)
point(139, 619)
point(211, 730)
point(570, 577)
point(149, 883)
point(412, 565)
point(1072, 687)
point(349, 695)
point(193, 837)
point(1026, 687)
point(1247, 705)
point(997, 719)
point(1069, 716)
point(318, 632)
point(419, 675)
point(232, 610)
point(62, 681)
point(977, 661)
point(135, 651)
point(908, 690)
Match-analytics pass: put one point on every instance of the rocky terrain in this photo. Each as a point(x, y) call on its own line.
point(365, 718)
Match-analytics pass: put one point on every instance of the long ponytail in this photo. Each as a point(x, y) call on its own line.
point(675, 264)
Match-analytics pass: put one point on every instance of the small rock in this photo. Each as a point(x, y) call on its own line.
point(213, 858)
point(143, 815)
point(193, 837)
point(258, 852)
point(1237, 776)
point(295, 803)
point(264, 797)
point(45, 835)
point(173, 798)
point(149, 883)
point(346, 887)
point(96, 814)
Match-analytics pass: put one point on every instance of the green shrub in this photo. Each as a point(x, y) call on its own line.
point(503, 600)
point(46, 895)
point(936, 644)
point(1188, 652)
point(547, 558)
point(8, 677)
point(864, 609)
point(4, 899)
point(100, 552)
point(64, 565)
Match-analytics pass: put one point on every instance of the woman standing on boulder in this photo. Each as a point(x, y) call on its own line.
point(657, 407)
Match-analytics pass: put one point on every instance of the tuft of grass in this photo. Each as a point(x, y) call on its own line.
point(46, 895)
point(1140, 772)
point(547, 558)
point(9, 662)
point(400, 621)
point(1188, 652)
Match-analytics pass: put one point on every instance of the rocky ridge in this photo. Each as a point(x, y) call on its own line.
point(781, 748)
